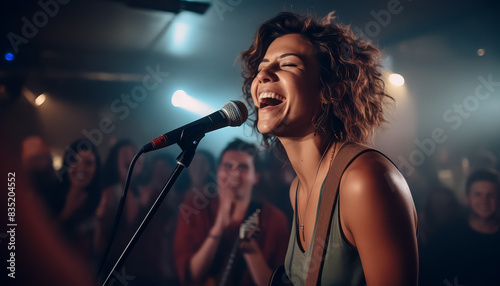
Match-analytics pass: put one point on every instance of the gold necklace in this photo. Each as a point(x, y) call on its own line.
point(314, 181)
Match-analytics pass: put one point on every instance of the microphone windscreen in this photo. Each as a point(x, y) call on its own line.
point(236, 112)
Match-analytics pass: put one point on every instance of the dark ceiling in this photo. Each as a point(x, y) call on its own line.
point(85, 37)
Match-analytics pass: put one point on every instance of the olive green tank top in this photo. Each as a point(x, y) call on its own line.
point(342, 264)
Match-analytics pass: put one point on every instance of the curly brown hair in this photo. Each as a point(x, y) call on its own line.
point(350, 80)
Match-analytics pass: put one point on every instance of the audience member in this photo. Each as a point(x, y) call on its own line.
point(208, 226)
point(81, 190)
point(42, 256)
point(468, 252)
point(38, 165)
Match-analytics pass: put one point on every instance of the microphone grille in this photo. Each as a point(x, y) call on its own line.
point(236, 112)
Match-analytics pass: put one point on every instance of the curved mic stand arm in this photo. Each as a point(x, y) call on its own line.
point(188, 144)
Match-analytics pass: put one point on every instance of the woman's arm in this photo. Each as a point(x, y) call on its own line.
point(378, 217)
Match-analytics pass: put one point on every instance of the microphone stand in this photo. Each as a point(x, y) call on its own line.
point(188, 143)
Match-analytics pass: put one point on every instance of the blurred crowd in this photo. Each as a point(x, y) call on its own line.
point(81, 199)
point(457, 205)
point(457, 199)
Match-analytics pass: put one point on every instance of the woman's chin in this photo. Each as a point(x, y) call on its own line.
point(267, 129)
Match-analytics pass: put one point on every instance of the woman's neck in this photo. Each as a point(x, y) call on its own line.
point(305, 155)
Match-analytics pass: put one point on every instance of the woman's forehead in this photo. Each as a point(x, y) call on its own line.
point(290, 44)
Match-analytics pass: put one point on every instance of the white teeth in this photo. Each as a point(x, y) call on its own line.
point(271, 95)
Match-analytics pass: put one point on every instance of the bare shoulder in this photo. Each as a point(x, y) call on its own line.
point(378, 218)
point(373, 184)
point(293, 190)
point(372, 174)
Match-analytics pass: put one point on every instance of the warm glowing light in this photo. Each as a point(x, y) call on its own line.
point(396, 79)
point(57, 162)
point(480, 52)
point(40, 99)
point(181, 99)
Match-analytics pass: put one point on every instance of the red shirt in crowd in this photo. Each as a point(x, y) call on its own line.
point(194, 223)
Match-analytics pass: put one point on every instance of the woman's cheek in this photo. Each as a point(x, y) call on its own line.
point(253, 90)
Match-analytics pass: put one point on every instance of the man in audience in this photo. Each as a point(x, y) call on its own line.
point(209, 224)
point(468, 252)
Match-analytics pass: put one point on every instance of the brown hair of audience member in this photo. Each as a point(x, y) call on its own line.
point(487, 175)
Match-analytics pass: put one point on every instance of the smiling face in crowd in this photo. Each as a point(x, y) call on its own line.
point(483, 199)
point(237, 173)
point(83, 171)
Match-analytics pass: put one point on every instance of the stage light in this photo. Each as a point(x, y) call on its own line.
point(178, 97)
point(396, 79)
point(480, 52)
point(181, 99)
point(181, 36)
point(9, 57)
point(180, 32)
point(40, 99)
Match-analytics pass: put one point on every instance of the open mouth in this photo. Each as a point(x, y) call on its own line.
point(270, 99)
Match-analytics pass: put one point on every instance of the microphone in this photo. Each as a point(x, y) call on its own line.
point(233, 113)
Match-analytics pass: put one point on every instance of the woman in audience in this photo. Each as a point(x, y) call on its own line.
point(80, 173)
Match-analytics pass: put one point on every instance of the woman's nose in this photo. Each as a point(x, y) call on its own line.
point(267, 74)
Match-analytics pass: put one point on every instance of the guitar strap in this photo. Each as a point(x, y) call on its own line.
point(346, 155)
